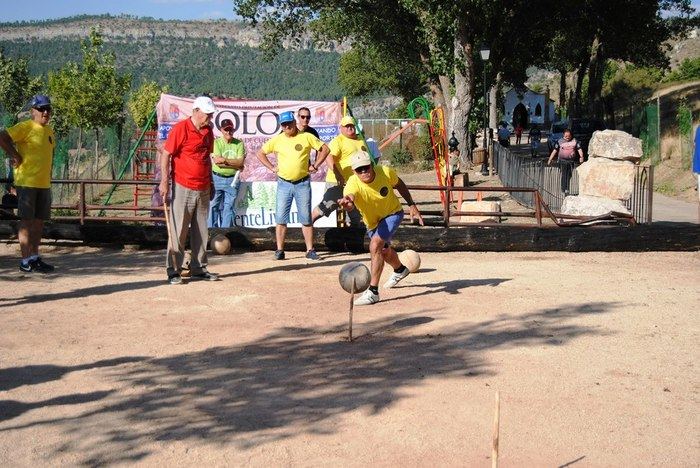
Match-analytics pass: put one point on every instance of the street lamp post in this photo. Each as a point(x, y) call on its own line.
point(485, 53)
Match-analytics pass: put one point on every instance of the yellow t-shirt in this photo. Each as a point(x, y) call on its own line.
point(35, 143)
point(292, 153)
point(377, 199)
point(341, 148)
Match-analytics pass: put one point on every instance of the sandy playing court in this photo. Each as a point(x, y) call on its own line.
point(594, 356)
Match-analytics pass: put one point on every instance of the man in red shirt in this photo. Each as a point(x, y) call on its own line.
point(186, 158)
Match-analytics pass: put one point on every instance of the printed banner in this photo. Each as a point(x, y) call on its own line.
point(256, 122)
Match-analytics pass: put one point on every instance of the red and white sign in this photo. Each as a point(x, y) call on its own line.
point(255, 122)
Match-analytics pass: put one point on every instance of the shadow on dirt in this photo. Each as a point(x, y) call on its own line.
point(293, 381)
point(449, 287)
point(13, 377)
point(111, 261)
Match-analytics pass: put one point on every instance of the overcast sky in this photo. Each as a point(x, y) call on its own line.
point(18, 10)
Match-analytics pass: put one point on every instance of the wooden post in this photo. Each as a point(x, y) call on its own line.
point(81, 203)
point(496, 421)
point(352, 303)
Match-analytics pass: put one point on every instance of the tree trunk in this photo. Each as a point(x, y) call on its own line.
point(562, 91)
point(578, 98)
point(596, 70)
point(76, 162)
point(464, 83)
point(493, 100)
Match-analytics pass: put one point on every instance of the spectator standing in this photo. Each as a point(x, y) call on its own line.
point(503, 135)
point(534, 138)
point(186, 158)
point(371, 191)
point(696, 158)
point(293, 148)
point(227, 162)
point(303, 121)
point(340, 149)
point(566, 149)
point(518, 133)
point(30, 145)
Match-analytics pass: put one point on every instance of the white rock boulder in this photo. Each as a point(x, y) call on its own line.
point(586, 205)
point(602, 177)
point(615, 144)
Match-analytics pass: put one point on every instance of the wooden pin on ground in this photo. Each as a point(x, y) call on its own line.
point(352, 303)
point(354, 277)
point(496, 422)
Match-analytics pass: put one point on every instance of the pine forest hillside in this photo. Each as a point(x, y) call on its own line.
point(189, 57)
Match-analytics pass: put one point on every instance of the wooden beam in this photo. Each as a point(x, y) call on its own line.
point(474, 238)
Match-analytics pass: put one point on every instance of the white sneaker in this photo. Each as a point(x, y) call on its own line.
point(395, 278)
point(367, 298)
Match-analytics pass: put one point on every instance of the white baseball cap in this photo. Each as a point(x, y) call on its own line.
point(205, 104)
point(360, 158)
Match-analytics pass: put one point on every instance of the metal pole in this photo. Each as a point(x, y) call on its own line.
point(484, 165)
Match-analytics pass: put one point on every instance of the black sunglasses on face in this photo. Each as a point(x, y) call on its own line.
point(305, 117)
point(227, 130)
point(44, 109)
point(363, 169)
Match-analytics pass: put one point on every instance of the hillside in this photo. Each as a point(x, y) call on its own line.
point(191, 57)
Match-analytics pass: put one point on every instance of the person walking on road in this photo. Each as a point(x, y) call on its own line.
point(30, 145)
point(566, 150)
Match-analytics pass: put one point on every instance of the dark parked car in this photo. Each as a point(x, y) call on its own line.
point(583, 131)
point(556, 132)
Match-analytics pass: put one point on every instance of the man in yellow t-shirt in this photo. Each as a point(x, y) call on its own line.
point(30, 145)
point(341, 148)
point(292, 148)
point(371, 191)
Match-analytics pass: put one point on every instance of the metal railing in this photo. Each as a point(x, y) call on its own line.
point(85, 211)
point(518, 171)
point(539, 207)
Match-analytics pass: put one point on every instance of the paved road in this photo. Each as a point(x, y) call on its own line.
point(667, 209)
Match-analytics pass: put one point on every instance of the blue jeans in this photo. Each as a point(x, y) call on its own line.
point(221, 209)
point(300, 193)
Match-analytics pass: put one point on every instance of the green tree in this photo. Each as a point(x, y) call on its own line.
point(688, 70)
point(439, 39)
point(143, 101)
point(90, 95)
point(16, 85)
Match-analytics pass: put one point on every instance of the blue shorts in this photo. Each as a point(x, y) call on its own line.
point(387, 227)
point(300, 192)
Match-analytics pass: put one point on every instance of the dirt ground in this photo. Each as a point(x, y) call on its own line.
point(593, 354)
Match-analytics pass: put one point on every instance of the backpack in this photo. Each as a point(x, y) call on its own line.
point(567, 149)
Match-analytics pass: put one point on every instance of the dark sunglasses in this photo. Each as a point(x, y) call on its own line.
point(227, 130)
point(44, 109)
point(305, 117)
point(363, 169)
point(287, 125)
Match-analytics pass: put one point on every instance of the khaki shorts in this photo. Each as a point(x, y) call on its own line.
point(33, 203)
